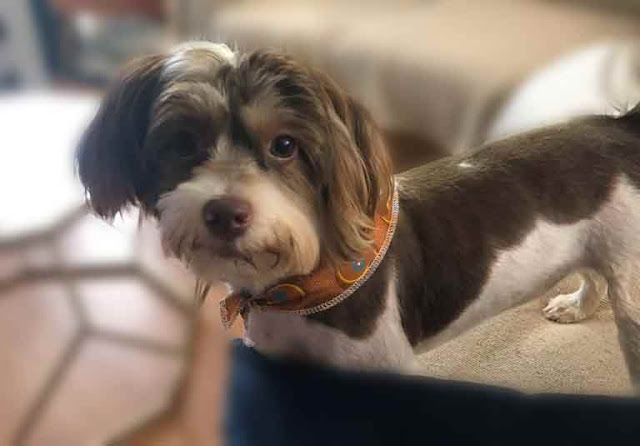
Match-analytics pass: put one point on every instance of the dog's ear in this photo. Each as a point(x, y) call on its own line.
point(359, 174)
point(109, 157)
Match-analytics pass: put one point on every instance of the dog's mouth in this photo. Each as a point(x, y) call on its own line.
point(231, 252)
point(268, 257)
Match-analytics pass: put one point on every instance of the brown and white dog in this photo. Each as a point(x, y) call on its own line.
point(259, 169)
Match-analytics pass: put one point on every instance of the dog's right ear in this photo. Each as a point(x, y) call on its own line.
point(109, 157)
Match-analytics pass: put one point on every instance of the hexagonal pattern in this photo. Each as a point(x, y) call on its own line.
point(108, 389)
point(12, 263)
point(36, 325)
point(94, 326)
point(128, 306)
point(19, 260)
point(92, 337)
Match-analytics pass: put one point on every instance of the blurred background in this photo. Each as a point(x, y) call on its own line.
point(100, 337)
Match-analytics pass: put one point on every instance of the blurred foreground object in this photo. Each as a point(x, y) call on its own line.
point(196, 415)
point(95, 324)
point(280, 404)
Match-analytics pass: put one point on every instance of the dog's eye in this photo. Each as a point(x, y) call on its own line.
point(186, 152)
point(185, 146)
point(283, 147)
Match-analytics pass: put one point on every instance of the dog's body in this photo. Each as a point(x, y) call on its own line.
point(282, 171)
point(482, 233)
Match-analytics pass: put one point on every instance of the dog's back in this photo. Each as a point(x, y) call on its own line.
point(499, 226)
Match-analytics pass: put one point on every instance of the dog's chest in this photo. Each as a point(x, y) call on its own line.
point(290, 336)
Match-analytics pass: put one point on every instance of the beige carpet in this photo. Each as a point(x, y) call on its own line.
point(521, 349)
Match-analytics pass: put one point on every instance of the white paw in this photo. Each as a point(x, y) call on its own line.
point(564, 309)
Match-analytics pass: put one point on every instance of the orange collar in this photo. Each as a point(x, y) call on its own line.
point(325, 287)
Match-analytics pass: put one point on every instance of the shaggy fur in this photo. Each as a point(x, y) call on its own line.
point(476, 234)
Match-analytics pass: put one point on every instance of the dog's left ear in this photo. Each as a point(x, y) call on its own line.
point(359, 174)
point(109, 157)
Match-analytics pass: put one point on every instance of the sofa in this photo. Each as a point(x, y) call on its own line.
point(433, 72)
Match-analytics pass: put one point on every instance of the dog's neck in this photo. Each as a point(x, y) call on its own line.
point(327, 286)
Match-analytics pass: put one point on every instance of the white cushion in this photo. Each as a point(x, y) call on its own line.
point(599, 79)
point(40, 131)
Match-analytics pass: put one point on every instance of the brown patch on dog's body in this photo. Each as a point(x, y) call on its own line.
point(455, 220)
point(358, 315)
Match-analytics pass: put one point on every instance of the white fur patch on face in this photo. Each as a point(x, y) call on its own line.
point(281, 241)
point(197, 56)
point(219, 49)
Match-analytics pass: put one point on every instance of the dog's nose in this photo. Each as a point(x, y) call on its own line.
point(227, 218)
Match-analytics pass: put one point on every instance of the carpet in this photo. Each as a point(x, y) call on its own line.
point(522, 350)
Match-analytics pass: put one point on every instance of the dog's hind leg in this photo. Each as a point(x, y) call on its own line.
point(581, 304)
point(625, 300)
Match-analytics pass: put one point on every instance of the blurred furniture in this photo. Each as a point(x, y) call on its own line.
point(96, 37)
point(272, 403)
point(38, 189)
point(94, 323)
point(602, 78)
point(190, 19)
point(435, 71)
point(21, 58)
point(151, 8)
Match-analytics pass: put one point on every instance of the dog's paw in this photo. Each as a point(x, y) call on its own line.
point(564, 309)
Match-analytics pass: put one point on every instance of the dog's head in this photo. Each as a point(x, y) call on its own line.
point(256, 167)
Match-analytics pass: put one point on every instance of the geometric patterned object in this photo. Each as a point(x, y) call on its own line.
point(94, 322)
point(128, 307)
point(36, 325)
point(109, 388)
point(94, 339)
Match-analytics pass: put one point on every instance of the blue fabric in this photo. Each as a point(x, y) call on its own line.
point(275, 403)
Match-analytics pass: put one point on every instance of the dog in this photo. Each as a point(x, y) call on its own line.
point(263, 174)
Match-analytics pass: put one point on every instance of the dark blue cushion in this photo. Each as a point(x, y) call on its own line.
point(276, 403)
